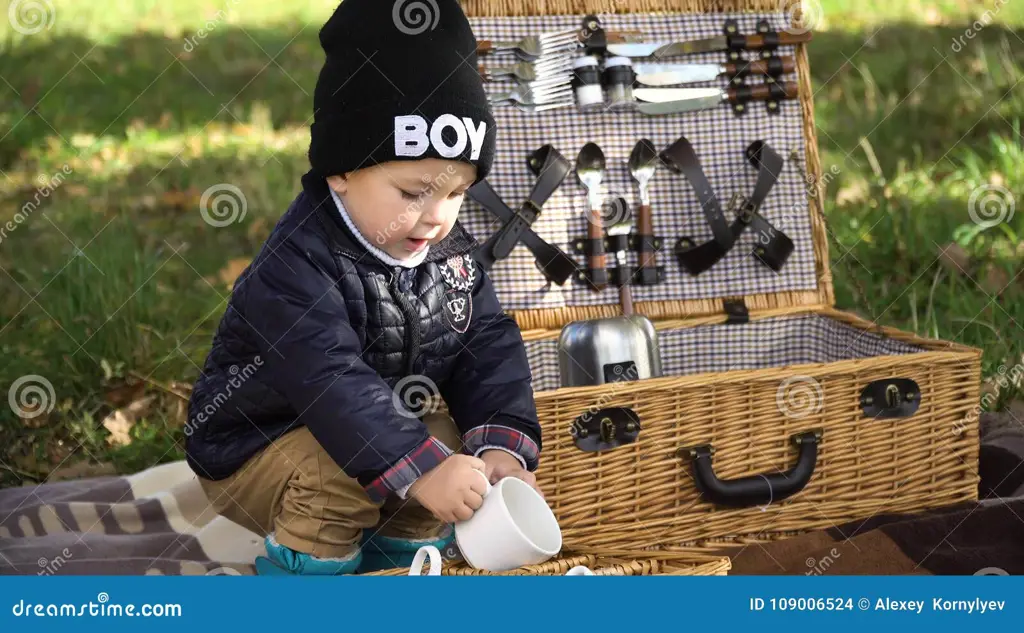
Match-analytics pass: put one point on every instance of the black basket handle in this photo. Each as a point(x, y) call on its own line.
point(754, 490)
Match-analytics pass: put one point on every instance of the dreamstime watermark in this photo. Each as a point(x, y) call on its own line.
point(46, 187)
point(223, 571)
point(615, 208)
point(799, 396)
point(415, 396)
point(978, 26)
point(818, 567)
point(238, 377)
point(815, 186)
point(101, 607)
point(621, 376)
point(991, 205)
point(52, 566)
point(31, 396)
point(223, 204)
point(413, 17)
point(29, 17)
point(804, 15)
point(211, 25)
point(415, 207)
point(1003, 379)
point(991, 571)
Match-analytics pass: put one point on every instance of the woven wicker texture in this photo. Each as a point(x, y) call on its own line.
point(643, 494)
point(602, 564)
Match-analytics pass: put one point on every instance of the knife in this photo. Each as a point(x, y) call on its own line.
point(670, 74)
point(484, 47)
point(717, 43)
point(673, 100)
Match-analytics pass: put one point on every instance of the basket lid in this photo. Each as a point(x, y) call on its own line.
point(720, 139)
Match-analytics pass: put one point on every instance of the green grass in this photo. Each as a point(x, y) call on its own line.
point(136, 125)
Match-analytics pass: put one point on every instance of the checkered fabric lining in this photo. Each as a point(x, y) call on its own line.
point(763, 344)
point(719, 137)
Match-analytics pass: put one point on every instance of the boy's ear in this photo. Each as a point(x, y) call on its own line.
point(338, 183)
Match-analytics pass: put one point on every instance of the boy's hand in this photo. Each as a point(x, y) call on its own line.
point(451, 490)
point(501, 464)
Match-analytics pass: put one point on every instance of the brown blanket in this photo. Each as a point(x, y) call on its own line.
point(985, 538)
point(159, 522)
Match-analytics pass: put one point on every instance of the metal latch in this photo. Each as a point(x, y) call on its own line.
point(605, 429)
point(890, 398)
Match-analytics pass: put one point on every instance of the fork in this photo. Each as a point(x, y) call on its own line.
point(533, 46)
point(533, 95)
point(546, 106)
point(528, 71)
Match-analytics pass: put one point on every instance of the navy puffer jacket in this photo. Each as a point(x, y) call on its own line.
point(320, 332)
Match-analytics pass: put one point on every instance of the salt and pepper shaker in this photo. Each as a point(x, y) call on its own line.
point(618, 80)
point(587, 83)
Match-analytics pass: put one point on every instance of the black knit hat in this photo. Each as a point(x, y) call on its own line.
point(400, 82)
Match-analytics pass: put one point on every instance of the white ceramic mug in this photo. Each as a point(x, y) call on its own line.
point(579, 570)
point(416, 569)
point(513, 527)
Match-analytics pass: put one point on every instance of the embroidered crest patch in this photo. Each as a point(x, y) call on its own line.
point(458, 310)
point(459, 272)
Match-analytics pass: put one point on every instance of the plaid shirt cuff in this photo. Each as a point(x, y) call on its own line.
point(497, 436)
point(490, 447)
point(407, 470)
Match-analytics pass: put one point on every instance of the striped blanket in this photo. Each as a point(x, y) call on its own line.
point(159, 522)
point(154, 522)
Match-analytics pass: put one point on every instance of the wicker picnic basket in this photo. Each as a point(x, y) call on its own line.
point(792, 386)
point(602, 563)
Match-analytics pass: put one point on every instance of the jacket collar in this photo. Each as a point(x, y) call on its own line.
point(457, 242)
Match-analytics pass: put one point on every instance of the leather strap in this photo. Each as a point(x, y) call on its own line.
point(551, 260)
point(551, 168)
point(681, 158)
point(773, 246)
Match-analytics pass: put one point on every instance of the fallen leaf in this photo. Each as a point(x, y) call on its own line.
point(140, 407)
point(232, 270)
point(120, 422)
point(955, 258)
point(119, 425)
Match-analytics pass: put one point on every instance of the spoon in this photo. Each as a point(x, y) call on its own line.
point(643, 161)
point(590, 165)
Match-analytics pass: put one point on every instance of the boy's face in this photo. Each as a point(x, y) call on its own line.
point(402, 207)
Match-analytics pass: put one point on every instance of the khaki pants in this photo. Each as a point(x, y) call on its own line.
point(294, 490)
